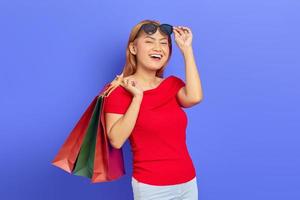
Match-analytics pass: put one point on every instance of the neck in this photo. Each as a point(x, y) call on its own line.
point(147, 78)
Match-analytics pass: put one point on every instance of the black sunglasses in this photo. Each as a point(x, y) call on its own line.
point(151, 28)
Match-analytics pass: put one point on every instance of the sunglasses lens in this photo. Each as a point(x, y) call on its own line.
point(166, 28)
point(149, 28)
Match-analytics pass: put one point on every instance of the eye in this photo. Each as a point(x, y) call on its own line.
point(148, 42)
point(164, 43)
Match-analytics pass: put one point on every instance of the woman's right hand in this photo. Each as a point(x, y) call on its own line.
point(131, 85)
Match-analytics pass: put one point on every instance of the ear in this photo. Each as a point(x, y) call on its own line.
point(132, 48)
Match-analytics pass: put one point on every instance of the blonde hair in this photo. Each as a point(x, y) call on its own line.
point(131, 60)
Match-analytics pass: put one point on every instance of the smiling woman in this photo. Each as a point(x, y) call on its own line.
point(142, 44)
point(146, 108)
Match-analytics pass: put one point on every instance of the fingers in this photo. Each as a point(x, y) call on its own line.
point(125, 81)
point(178, 31)
point(179, 34)
point(128, 82)
point(182, 30)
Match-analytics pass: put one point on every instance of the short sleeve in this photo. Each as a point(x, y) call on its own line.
point(118, 101)
point(178, 84)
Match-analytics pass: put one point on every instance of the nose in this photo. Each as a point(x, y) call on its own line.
point(157, 47)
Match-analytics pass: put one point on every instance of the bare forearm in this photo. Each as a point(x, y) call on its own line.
point(122, 129)
point(193, 82)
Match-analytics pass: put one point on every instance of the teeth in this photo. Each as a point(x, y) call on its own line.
point(156, 55)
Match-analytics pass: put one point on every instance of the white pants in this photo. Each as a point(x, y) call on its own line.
point(183, 191)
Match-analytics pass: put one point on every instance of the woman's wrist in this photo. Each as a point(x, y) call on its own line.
point(137, 98)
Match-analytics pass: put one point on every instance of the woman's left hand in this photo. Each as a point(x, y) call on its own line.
point(183, 37)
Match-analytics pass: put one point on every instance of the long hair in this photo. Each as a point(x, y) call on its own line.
point(131, 60)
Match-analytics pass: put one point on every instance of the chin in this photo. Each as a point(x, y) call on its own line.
point(156, 67)
point(152, 65)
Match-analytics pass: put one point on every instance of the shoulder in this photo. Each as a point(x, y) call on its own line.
point(119, 92)
point(117, 101)
point(176, 78)
point(171, 85)
point(177, 82)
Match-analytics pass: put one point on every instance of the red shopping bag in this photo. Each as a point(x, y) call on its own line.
point(67, 155)
point(109, 162)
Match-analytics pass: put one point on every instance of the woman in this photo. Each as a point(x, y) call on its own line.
point(146, 108)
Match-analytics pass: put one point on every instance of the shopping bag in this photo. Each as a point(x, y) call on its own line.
point(67, 155)
point(85, 160)
point(87, 151)
point(109, 161)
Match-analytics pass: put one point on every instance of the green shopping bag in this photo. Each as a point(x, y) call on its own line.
point(84, 165)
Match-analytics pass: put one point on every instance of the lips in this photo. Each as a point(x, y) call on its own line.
point(156, 57)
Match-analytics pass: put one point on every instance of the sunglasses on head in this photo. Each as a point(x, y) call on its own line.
point(151, 28)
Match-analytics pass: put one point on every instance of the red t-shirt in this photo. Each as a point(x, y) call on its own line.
point(158, 140)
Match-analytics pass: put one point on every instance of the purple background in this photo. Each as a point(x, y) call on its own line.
point(243, 138)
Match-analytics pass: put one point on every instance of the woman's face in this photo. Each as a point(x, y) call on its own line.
point(147, 46)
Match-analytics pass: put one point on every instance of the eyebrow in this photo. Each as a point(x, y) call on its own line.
point(154, 38)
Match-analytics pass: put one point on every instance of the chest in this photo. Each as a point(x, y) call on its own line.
point(160, 114)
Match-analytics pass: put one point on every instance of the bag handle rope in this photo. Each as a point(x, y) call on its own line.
point(112, 85)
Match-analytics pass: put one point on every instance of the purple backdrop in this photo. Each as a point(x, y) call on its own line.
point(243, 138)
